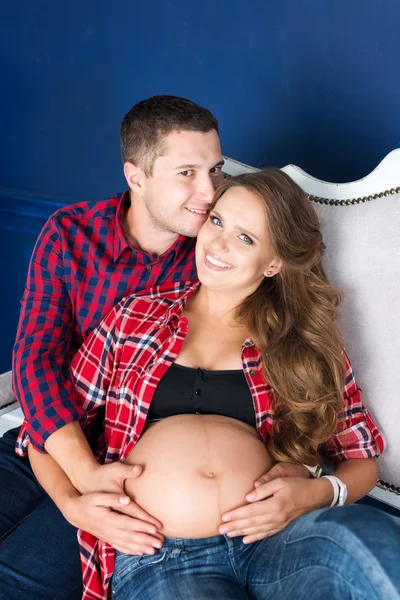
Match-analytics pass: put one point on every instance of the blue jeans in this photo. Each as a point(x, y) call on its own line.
point(349, 553)
point(39, 553)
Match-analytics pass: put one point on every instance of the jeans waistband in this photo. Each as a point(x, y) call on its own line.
point(170, 542)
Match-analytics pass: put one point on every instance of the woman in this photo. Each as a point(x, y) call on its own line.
point(206, 387)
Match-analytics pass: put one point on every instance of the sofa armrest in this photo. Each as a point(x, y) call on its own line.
point(6, 392)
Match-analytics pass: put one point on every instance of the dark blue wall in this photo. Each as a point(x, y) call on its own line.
point(296, 81)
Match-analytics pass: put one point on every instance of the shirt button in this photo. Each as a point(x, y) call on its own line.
point(148, 268)
point(252, 372)
point(197, 391)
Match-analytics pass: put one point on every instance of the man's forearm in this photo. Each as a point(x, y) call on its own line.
point(52, 478)
point(70, 449)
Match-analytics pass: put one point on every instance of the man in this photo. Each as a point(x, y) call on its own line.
point(87, 257)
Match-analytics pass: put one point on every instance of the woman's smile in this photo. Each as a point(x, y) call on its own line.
point(214, 262)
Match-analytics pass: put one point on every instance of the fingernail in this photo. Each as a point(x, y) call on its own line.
point(124, 499)
point(226, 518)
point(157, 544)
point(223, 529)
point(251, 497)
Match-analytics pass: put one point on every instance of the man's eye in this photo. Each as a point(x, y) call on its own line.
point(246, 239)
point(187, 173)
point(215, 221)
point(216, 170)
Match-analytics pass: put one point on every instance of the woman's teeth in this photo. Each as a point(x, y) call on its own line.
point(217, 263)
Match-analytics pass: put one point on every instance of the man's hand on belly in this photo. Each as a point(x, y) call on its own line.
point(273, 505)
point(109, 477)
point(115, 519)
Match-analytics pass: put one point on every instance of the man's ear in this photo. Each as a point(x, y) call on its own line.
point(273, 268)
point(135, 178)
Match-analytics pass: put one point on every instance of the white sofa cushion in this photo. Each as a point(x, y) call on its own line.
point(363, 259)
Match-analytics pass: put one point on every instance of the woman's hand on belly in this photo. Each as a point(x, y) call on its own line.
point(273, 505)
point(283, 469)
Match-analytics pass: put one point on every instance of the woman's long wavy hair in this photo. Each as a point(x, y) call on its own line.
point(291, 318)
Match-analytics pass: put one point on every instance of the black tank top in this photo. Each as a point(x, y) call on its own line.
point(184, 390)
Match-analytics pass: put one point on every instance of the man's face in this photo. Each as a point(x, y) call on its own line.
point(178, 194)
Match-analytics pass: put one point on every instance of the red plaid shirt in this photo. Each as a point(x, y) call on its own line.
point(82, 265)
point(120, 365)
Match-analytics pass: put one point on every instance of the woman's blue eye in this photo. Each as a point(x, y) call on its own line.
point(215, 220)
point(246, 239)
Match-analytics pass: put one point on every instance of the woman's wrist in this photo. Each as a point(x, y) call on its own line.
point(322, 493)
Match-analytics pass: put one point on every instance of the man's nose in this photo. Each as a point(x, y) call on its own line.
point(206, 189)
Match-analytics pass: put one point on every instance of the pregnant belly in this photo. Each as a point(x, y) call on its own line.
point(195, 468)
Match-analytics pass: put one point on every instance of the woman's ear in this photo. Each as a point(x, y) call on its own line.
point(273, 268)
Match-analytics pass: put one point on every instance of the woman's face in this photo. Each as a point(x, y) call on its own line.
point(234, 250)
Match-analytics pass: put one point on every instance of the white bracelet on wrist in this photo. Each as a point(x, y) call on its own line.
point(314, 471)
point(339, 490)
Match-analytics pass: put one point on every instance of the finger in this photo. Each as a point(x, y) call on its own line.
point(143, 539)
point(128, 471)
point(133, 526)
point(130, 526)
point(249, 539)
point(248, 510)
point(273, 473)
point(129, 539)
point(125, 516)
point(250, 531)
point(264, 479)
point(244, 524)
point(134, 510)
point(261, 527)
point(266, 490)
point(109, 499)
point(132, 549)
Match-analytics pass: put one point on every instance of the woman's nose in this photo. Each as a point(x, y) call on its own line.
point(220, 243)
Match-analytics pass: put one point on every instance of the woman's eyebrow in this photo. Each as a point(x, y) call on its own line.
point(238, 227)
point(247, 232)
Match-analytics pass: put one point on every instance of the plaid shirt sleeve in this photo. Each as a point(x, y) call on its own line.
point(42, 380)
point(356, 436)
point(92, 366)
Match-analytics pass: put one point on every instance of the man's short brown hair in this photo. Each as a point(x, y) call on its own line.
point(144, 127)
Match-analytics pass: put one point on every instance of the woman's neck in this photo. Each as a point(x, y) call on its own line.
point(219, 307)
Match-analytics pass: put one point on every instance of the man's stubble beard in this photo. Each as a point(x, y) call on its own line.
point(164, 225)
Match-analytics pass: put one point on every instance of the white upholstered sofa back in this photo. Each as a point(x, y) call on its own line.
point(362, 237)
